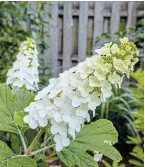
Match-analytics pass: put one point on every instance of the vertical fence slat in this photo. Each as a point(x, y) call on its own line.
point(115, 17)
point(90, 36)
point(54, 38)
point(89, 22)
point(106, 25)
point(98, 19)
point(75, 36)
point(67, 35)
point(47, 28)
point(83, 21)
point(131, 21)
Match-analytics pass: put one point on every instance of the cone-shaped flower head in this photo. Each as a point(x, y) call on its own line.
point(24, 72)
point(65, 102)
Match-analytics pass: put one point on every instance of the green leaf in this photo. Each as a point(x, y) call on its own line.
point(18, 118)
point(139, 76)
point(72, 156)
point(136, 162)
point(106, 163)
point(93, 137)
point(138, 92)
point(8, 159)
point(23, 99)
point(10, 104)
point(15, 143)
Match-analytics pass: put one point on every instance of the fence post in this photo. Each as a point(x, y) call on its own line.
point(47, 28)
point(98, 19)
point(131, 21)
point(106, 25)
point(115, 17)
point(83, 22)
point(54, 37)
point(67, 35)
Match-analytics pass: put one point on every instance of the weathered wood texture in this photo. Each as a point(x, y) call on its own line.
point(75, 26)
point(67, 35)
point(83, 22)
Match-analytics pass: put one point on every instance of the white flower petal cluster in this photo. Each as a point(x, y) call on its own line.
point(66, 101)
point(24, 72)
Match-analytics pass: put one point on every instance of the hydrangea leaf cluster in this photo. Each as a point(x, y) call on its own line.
point(24, 72)
point(99, 135)
point(66, 101)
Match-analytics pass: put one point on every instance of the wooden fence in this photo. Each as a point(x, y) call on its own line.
point(75, 26)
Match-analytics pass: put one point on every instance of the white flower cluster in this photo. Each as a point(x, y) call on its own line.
point(66, 102)
point(25, 69)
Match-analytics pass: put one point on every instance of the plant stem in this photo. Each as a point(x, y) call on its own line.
point(22, 139)
point(34, 152)
point(35, 140)
point(44, 143)
point(102, 109)
point(50, 156)
point(115, 90)
point(107, 105)
point(42, 149)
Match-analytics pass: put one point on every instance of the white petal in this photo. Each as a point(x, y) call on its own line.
point(85, 99)
point(66, 118)
point(81, 112)
point(54, 129)
point(53, 81)
point(42, 93)
point(64, 82)
point(73, 69)
point(106, 93)
point(27, 119)
point(58, 147)
point(78, 128)
point(83, 75)
point(33, 124)
point(63, 130)
point(73, 123)
point(98, 157)
point(52, 94)
point(58, 117)
point(58, 102)
point(43, 122)
point(92, 105)
point(57, 138)
point(84, 93)
point(72, 133)
point(97, 101)
point(42, 112)
point(36, 116)
point(81, 67)
point(65, 141)
point(76, 102)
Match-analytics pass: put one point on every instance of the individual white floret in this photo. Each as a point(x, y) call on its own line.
point(61, 141)
point(97, 156)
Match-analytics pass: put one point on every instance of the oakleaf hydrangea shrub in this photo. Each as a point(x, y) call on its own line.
point(61, 110)
point(65, 103)
point(24, 72)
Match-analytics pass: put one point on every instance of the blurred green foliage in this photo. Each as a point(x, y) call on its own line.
point(19, 20)
point(114, 164)
point(126, 110)
point(119, 109)
point(137, 152)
